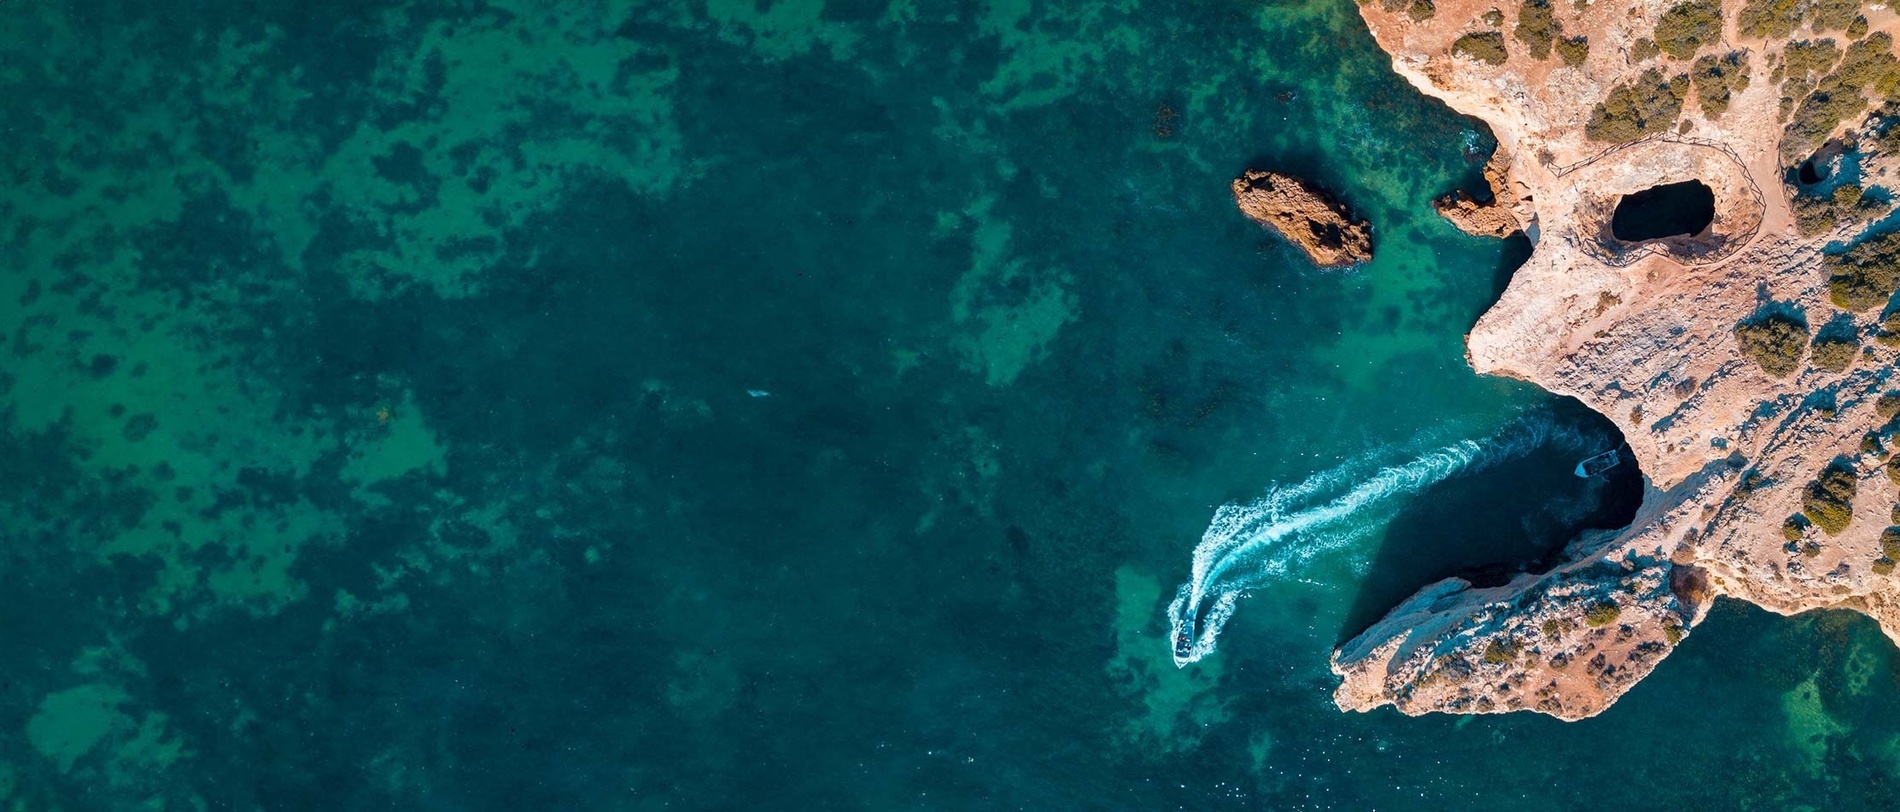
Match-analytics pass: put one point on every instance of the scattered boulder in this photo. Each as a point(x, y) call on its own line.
point(1306, 216)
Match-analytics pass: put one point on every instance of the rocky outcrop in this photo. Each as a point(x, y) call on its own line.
point(1306, 216)
point(1500, 216)
point(1645, 333)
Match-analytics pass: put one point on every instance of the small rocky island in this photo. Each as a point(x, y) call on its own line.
point(1306, 216)
point(1747, 363)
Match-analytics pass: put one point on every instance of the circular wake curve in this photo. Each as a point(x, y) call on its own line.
point(1250, 544)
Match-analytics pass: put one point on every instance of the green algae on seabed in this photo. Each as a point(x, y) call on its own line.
point(70, 723)
point(1178, 705)
point(377, 424)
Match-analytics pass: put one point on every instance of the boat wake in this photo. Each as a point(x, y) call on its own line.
point(1269, 539)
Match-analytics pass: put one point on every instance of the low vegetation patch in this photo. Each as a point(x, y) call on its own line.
point(1828, 501)
point(1886, 406)
point(1537, 28)
point(1643, 50)
point(1815, 215)
point(1868, 66)
point(1893, 473)
point(1484, 46)
point(1806, 58)
point(1573, 50)
point(1717, 79)
point(1865, 276)
point(1649, 104)
point(1498, 652)
point(1795, 527)
point(1686, 27)
point(1775, 341)
point(1769, 19)
point(1890, 542)
point(1602, 613)
point(1834, 354)
point(1889, 335)
point(1833, 15)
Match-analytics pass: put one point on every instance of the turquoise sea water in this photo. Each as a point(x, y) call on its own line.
point(788, 405)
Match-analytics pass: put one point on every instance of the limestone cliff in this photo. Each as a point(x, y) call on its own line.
point(1591, 102)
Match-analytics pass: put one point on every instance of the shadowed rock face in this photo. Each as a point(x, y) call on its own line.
point(1306, 215)
point(1672, 209)
point(1644, 332)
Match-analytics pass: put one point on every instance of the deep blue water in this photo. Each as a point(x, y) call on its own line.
point(458, 405)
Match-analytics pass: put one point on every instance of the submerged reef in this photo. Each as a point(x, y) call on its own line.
point(1765, 460)
point(1306, 215)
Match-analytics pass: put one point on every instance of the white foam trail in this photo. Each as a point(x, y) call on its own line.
point(1248, 544)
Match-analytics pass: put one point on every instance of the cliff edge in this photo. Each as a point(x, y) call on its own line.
point(1743, 358)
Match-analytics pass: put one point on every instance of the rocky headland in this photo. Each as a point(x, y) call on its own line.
point(1745, 360)
point(1306, 215)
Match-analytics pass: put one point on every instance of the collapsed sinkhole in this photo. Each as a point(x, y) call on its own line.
point(1812, 173)
point(1669, 210)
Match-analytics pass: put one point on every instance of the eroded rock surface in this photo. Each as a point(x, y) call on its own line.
point(1646, 333)
point(1506, 213)
point(1306, 216)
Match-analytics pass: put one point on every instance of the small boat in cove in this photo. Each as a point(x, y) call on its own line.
point(1598, 464)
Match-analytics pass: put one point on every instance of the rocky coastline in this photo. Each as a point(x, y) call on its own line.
point(1744, 362)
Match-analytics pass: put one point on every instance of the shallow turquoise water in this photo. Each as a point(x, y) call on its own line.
point(379, 427)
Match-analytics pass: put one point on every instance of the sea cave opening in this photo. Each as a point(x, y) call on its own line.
point(1513, 515)
point(1672, 209)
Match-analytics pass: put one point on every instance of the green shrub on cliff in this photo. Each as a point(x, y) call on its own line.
point(1889, 335)
point(1649, 104)
point(1717, 78)
point(1498, 652)
point(1890, 542)
point(1833, 15)
point(1686, 27)
point(1865, 276)
point(1795, 527)
point(1573, 50)
point(1769, 19)
point(1893, 473)
point(1887, 405)
point(1643, 50)
point(1537, 28)
point(1834, 354)
point(1813, 215)
point(1883, 566)
point(1809, 58)
point(1484, 46)
point(1774, 341)
point(1828, 501)
point(1602, 613)
point(1868, 67)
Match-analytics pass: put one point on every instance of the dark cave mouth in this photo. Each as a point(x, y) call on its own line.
point(1672, 209)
